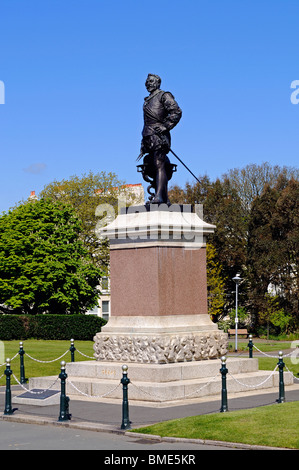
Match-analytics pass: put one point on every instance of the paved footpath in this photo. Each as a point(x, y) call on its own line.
point(96, 425)
point(23, 436)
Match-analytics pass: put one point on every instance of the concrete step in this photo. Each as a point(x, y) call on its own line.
point(167, 391)
point(159, 372)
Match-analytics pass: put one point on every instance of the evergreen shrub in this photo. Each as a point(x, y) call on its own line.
point(49, 327)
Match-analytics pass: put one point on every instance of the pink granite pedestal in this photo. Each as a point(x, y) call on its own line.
point(158, 290)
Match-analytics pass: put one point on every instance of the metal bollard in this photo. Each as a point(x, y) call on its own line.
point(72, 349)
point(223, 371)
point(250, 346)
point(281, 365)
point(23, 380)
point(8, 410)
point(126, 423)
point(64, 414)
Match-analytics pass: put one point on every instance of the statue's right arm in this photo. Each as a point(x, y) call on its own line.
point(174, 112)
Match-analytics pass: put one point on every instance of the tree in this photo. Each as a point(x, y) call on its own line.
point(274, 315)
point(273, 248)
point(256, 213)
point(85, 194)
point(215, 284)
point(221, 207)
point(285, 228)
point(251, 180)
point(262, 248)
point(192, 193)
point(44, 267)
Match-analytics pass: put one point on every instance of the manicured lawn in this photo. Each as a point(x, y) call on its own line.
point(266, 363)
point(272, 425)
point(263, 346)
point(42, 351)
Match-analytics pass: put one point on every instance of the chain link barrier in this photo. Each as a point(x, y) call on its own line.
point(257, 385)
point(47, 362)
point(93, 396)
point(50, 361)
point(92, 357)
point(294, 377)
point(241, 353)
point(4, 364)
point(208, 383)
point(82, 354)
point(179, 397)
point(40, 392)
point(270, 355)
point(156, 397)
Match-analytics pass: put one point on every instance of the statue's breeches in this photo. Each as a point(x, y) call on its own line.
point(152, 143)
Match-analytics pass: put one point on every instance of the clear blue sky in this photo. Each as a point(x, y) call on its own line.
point(74, 73)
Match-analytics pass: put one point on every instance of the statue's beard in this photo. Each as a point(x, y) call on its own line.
point(151, 88)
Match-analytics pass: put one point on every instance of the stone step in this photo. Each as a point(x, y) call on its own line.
point(160, 372)
point(167, 391)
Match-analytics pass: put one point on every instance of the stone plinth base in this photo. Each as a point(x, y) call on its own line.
point(159, 310)
point(164, 382)
point(161, 340)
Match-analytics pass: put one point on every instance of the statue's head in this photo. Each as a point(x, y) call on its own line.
point(153, 82)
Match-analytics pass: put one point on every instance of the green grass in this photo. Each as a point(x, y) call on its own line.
point(271, 425)
point(265, 347)
point(43, 351)
point(266, 363)
point(268, 347)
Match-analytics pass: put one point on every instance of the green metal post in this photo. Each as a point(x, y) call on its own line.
point(223, 371)
point(72, 349)
point(8, 410)
point(23, 380)
point(250, 346)
point(281, 365)
point(126, 424)
point(64, 414)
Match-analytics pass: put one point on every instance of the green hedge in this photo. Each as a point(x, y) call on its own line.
point(62, 327)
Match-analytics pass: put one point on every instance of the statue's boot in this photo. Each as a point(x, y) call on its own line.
point(161, 187)
point(161, 181)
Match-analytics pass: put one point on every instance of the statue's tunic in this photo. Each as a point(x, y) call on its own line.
point(161, 114)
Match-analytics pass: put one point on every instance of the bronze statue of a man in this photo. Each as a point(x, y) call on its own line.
point(161, 114)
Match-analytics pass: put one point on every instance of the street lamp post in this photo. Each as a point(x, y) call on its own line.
point(237, 279)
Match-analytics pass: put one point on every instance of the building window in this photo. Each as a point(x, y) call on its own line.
point(93, 311)
point(105, 284)
point(105, 309)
